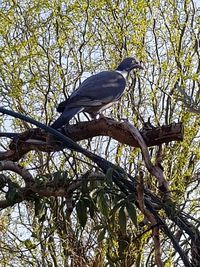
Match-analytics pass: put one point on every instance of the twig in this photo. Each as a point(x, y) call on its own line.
point(155, 170)
point(151, 218)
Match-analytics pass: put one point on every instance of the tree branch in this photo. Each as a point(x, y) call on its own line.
point(36, 139)
point(151, 219)
point(155, 170)
point(12, 166)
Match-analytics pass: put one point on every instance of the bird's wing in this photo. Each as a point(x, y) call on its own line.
point(99, 89)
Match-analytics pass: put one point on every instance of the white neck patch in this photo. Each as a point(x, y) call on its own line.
point(123, 73)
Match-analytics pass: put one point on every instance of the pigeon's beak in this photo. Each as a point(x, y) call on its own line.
point(137, 66)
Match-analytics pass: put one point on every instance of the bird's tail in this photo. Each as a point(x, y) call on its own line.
point(65, 117)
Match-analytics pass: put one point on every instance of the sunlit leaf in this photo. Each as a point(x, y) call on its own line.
point(29, 244)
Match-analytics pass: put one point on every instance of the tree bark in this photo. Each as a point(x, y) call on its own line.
point(118, 131)
point(36, 139)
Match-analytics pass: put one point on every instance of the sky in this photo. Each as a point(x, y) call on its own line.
point(197, 3)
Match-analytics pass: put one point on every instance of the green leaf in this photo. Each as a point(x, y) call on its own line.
point(92, 209)
point(123, 246)
point(12, 196)
point(98, 227)
point(81, 210)
point(84, 186)
point(29, 244)
point(101, 235)
point(86, 200)
point(103, 204)
point(39, 207)
point(116, 207)
point(3, 180)
point(122, 220)
point(132, 213)
point(90, 204)
point(109, 175)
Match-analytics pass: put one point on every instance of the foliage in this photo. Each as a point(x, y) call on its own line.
point(46, 49)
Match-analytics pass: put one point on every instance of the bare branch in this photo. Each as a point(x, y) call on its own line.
point(12, 166)
point(151, 219)
point(36, 139)
point(155, 170)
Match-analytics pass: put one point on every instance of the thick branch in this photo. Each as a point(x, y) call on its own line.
point(35, 139)
point(47, 188)
point(118, 131)
point(9, 165)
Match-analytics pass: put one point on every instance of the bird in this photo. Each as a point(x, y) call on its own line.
point(96, 93)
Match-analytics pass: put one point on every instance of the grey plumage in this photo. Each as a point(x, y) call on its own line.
point(96, 93)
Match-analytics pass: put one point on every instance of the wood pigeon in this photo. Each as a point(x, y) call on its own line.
point(96, 93)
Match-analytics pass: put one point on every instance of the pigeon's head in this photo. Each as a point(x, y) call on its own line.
point(129, 64)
